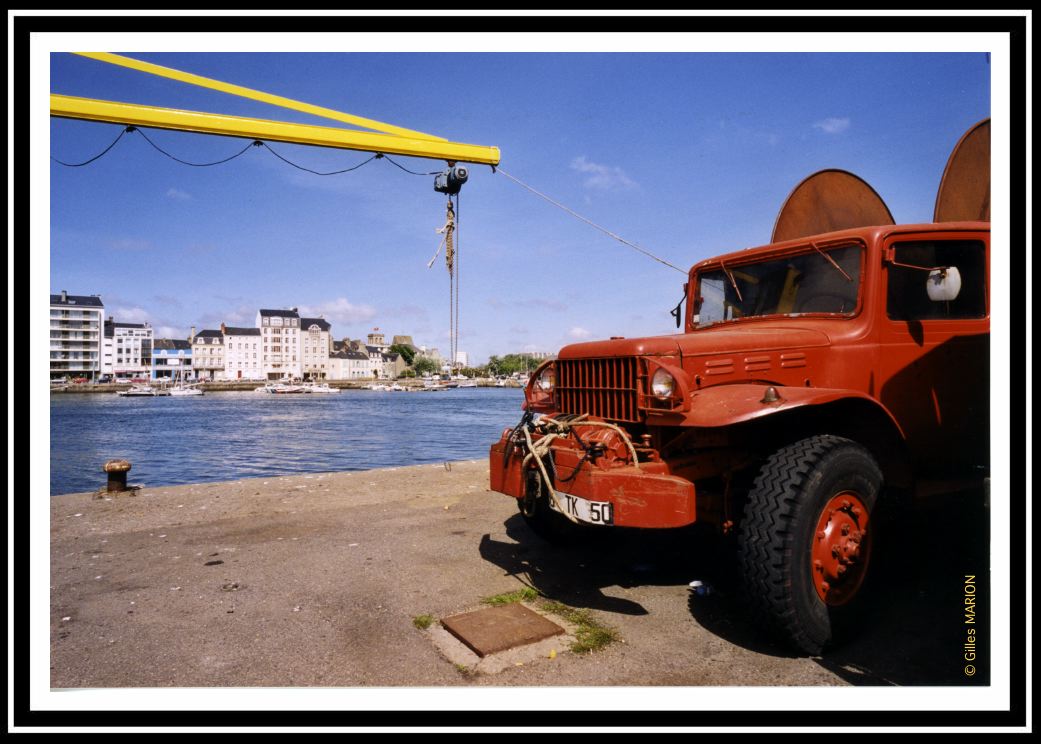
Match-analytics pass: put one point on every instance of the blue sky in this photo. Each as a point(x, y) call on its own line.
point(687, 155)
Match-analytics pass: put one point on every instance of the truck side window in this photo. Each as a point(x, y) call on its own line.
point(906, 296)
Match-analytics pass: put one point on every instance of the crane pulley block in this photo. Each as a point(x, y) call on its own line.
point(450, 180)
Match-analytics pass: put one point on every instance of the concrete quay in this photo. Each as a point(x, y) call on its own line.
point(239, 385)
point(315, 580)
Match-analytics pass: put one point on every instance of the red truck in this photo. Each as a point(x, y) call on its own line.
point(816, 379)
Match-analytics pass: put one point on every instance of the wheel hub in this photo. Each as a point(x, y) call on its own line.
point(841, 549)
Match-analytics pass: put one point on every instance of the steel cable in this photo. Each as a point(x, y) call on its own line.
point(588, 221)
point(103, 152)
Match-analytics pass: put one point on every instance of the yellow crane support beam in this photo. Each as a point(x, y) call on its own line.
point(71, 107)
point(255, 95)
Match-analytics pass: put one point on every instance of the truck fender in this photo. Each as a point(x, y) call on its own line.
point(725, 405)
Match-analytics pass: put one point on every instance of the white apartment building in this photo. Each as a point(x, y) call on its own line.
point(127, 349)
point(208, 355)
point(350, 365)
point(280, 343)
point(462, 359)
point(243, 358)
point(315, 346)
point(76, 324)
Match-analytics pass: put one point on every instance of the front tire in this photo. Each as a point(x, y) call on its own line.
point(542, 519)
point(805, 542)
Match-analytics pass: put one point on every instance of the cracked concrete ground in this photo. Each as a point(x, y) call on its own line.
point(314, 580)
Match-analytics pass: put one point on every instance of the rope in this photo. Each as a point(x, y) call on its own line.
point(539, 454)
point(553, 429)
point(589, 222)
point(455, 334)
point(451, 246)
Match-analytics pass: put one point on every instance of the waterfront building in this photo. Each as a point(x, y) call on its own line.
point(375, 355)
point(127, 349)
point(315, 345)
point(392, 365)
point(376, 338)
point(280, 342)
point(348, 363)
point(242, 354)
point(76, 324)
point(538, 356)
point(208, 355)
point(171, 359)
point(359, 366)
point(338, 365)
point(462, 359)
point(405, 341)
point(432, 354)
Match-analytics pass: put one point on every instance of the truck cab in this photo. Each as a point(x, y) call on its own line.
point(815, 377)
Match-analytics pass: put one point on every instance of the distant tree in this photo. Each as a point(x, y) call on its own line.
point(407, 352)
point(425, 365)
point(512, 363)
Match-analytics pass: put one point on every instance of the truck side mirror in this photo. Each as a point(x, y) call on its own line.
point(677, 312)
point(943, 285)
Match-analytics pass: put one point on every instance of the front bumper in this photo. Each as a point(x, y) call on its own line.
point(645, 496)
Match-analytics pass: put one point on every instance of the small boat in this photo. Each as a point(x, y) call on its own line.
point(282, 388)
point(467, 384)
point(142, 391)
point(186, 390)
point(323, 388)
point(183, 387)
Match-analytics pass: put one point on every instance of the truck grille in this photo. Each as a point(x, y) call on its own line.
point(600, 387)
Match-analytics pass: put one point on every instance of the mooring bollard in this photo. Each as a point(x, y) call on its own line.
point(117, 474)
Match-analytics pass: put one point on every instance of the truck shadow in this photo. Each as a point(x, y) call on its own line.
point(913, 629)
point(910, 631)
point(577, 574)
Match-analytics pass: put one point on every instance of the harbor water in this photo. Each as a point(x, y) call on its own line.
point(230, 435)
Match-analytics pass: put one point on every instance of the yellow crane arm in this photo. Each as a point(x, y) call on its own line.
point(70, 107)
point(389, 139)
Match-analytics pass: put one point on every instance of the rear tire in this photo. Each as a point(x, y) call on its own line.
point(805, 545)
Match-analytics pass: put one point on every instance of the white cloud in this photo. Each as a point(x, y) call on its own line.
point(128, 315)
point(579, 333)
point(602, 177)
point(166, 331)
point(177, 194)
point(832, 125)
point(340, 312)
point(161, 327)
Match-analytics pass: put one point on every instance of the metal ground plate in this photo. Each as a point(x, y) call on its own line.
point(496, 629)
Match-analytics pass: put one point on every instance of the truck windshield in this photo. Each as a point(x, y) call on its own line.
point(804, 283)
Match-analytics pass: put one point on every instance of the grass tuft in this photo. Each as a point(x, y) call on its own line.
point(590, 635)
point(527, 594)
point(423, 621)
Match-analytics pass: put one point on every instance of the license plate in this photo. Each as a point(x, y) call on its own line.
point(584, 510)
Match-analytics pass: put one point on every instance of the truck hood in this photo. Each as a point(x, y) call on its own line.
point(716, 340)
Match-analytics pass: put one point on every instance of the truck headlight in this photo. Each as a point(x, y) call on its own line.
point(663, 384)
point(547, 380)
